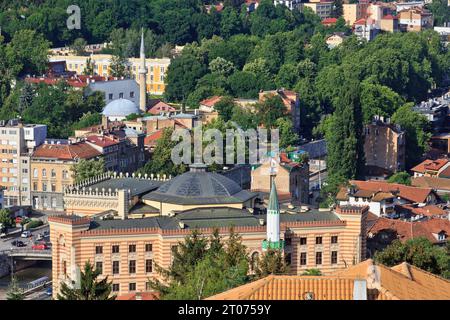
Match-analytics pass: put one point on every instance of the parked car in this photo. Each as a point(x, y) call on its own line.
point(39, 237)
point(46, 234)
point(18, 243)
point(49, 291)
point(26, 234)
point(19, 219)
point(39, 246)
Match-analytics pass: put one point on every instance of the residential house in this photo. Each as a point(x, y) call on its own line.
point(432, 168)
point(290, 4)
point(352, 12)
point(324, 8)
point(436, 110)
point(207, 105)
point(365, 29)
point(415, 19)
point(440, 185)
point(292, 178)
point(156, 107)
point(335, 39)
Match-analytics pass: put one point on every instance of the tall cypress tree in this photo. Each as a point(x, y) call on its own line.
point(344, 137)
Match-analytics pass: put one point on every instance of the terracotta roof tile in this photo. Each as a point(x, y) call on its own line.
point(210, 102)
point(430, 165)
point(102, 141)
point(431, 182)
point(151, 139)
point(66, 151)
point(413, 194)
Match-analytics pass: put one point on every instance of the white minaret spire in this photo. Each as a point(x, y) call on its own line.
point(273, 220)
point(142, 77)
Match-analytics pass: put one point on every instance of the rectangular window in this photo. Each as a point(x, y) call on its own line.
point(121, 95)
point(132, 248)
point(303, 258)
point(148, 247)
point(53, 187)
point(115, 287)
point(98, 250)
point(99, 266)
point(318, 240)
point(115, 249)
point(318, 258)
point(149, 265)
point(334, 239)
point(334, 257)
point(115, 267)
point(132, 266)
point(132, 286)
point(303, 241)
point(110, 96)
point(132, 94)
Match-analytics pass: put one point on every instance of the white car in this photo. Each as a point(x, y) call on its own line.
point(26, 234)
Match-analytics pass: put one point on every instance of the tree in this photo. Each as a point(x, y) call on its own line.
point(400, 177)
point(272, 262)
point(78, 47)
point(203, 267)
point(287, 135)
point(225, 108)
point(5, 218)
point(182, 75)
point(312, 272)
point(14, 291)
point(161, 162)
point(345, 159)
point(27, 53)
point(417, 132)
point(89, 69)
point(441, 13)
point(86, 169)
point(270, 110)
point(119, 67)
point(26, 97)
point(419, 252)
point(220, 66)
point(90, 287)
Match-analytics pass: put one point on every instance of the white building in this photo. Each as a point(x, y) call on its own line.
point(17, 143)
point(291, 4)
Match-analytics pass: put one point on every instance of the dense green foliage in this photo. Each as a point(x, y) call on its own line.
point(89, 288)
point(86, 169)
point(14, 291)
point(6, 221)
point(203, 267)
point(400, 177)
point(419, 252)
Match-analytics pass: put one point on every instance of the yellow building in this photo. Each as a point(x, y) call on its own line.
point(156, 68)
point(352, 12)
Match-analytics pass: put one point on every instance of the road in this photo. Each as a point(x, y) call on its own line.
point(5, 244)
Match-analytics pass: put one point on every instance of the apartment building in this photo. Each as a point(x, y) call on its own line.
point(324, 9)
point(352, 12)
point(415, 19)
point(17, 144)
point(51, 173)
point(290, 4)
point(156, 68)
point(384, 147)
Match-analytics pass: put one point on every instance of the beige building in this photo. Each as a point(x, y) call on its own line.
point(156, 68)
point(126, 250)
point(384, 148)
point(17, 144)
point(354, 11)
point(51, 173)
point(335, 39)
point(415, 19)
point(292, 179)
point(323, 9)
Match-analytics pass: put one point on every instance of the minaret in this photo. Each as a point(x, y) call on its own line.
point(273, 221)
point(142, 78)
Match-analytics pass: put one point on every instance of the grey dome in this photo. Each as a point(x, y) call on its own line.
point(120, 108)
point(197, 187)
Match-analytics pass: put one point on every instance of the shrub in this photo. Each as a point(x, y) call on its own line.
point(34, 224)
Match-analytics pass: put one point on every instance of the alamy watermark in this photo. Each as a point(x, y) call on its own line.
point(211, 147)
point(74, 19)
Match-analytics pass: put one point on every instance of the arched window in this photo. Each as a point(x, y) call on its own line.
point(35, 173)
point(53, 173)
point(44, 172)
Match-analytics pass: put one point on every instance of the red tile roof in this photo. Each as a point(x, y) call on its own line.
point(66, 151)
point(102, 140)
point(161, 107)
point(412, 194)
point(407, 230)
point(328, 21)
point(389, 17)
point(430, 165)
point(139, 296)
point(444, 173)
point(431, 182)
point(151, 139)
point(210, 102)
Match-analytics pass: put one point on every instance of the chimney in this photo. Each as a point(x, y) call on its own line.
point(359, 289)
point(122, 208)
point(105, 122)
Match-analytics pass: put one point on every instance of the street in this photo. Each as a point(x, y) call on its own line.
point(5, 244)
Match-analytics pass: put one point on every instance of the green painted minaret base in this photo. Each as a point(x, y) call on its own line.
point(279, 245)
